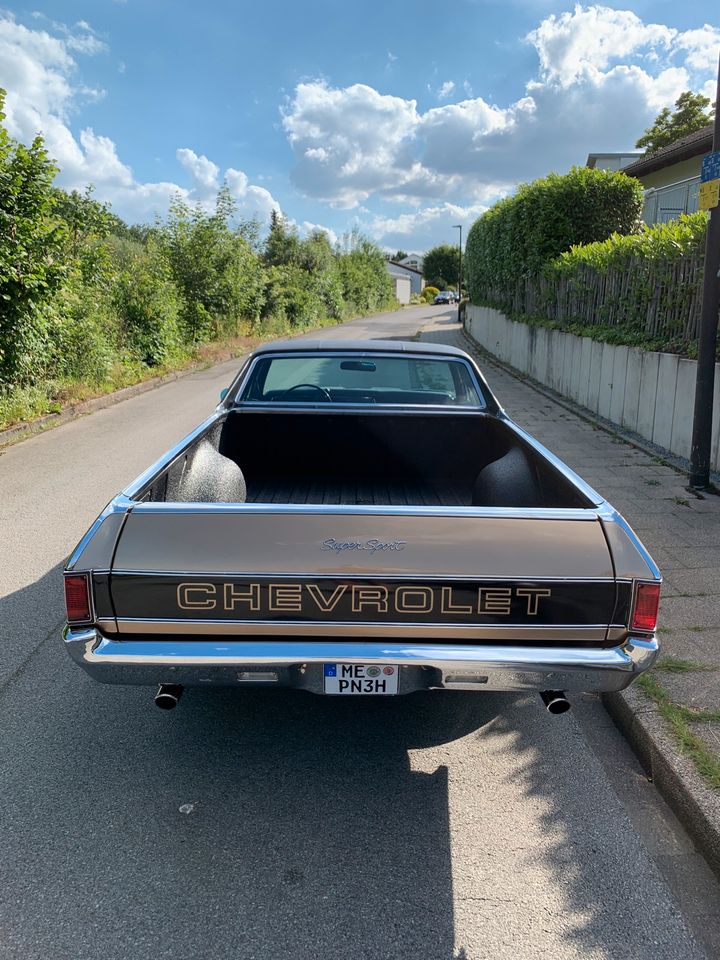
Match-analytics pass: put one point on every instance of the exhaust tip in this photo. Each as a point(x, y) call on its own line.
point(555, 701)
point(168, 696)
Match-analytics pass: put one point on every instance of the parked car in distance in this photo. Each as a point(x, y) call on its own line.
point(446, 296)
point(362, 518)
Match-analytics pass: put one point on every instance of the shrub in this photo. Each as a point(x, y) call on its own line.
point(83, 335)
point(429, 293)
point(519, 235)
point(640, 289)
point(32, 267)
point(366, 284)
point(148, 305)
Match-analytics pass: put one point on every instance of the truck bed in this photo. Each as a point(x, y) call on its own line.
point(365, 459)
point(373, 492)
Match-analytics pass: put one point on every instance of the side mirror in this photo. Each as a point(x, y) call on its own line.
point(224, 392)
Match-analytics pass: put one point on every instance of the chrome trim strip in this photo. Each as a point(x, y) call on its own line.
point(618, 518)
point(134, 488)
point(505, 513)
point(559, 465)
point(506, 668)
point(119, 504)
point(312, 628)
point(310, 354)
point(361, 578)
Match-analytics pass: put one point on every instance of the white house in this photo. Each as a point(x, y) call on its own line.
point(409, 273)
point(413, 260)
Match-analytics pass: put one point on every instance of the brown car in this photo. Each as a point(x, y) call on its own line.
point(362, 518)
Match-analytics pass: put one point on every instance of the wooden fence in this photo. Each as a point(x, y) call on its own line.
point(660, 298)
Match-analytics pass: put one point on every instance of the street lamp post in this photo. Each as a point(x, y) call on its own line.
point(458, 226)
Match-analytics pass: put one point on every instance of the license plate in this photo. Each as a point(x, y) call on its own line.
point(356, 679)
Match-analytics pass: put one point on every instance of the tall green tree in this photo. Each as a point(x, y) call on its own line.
point(214, 267)
point(441, 266)
point(691, 114)
point(32, 267)
point(281, 246)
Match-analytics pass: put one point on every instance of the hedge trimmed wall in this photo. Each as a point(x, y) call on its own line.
point(519, 235)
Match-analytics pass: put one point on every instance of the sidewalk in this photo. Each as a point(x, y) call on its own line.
point(672, 715)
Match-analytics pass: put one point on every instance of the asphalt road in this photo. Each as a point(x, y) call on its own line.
point(281, 825)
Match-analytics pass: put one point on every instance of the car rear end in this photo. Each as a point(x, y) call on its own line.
point(353, 601)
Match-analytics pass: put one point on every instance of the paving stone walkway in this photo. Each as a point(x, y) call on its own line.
point(681, 531)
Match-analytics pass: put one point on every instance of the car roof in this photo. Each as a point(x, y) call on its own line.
point(358, 346)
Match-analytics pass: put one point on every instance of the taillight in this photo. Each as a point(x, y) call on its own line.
point(645, 609)
point(77, 598)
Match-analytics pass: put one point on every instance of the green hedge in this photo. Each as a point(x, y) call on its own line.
point(518, 236)
point(644, 289)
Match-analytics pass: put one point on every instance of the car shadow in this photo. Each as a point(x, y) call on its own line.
point(279, 824)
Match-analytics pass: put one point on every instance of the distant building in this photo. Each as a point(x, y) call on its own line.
point(413, 260)
point(671, 176)
point(400, 271)
point(611, 161)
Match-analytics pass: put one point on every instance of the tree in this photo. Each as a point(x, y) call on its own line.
point(690, 115)
point(400, 255)
point(32, 243)
point(441, 266)
point(281, 246)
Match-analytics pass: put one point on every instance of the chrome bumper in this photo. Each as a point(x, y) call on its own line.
point(299, 664)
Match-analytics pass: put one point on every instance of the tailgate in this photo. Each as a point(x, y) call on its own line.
point(253, 571)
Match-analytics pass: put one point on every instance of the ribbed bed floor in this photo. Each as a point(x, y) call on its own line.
point(357, 492)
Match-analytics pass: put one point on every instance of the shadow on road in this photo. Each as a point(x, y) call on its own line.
point(283, 825)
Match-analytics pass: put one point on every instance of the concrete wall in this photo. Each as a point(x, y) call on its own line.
point(652, 394)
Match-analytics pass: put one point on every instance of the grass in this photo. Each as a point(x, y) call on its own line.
point(21, 405)
point(679, 719)
point(671, 664)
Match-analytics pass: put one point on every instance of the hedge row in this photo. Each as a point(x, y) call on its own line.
point(645, 288)
point(534, 256)
point(518, 236)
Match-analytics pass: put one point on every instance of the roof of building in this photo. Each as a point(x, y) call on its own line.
point(609, 155)
point(402, 266)
point(693, 145)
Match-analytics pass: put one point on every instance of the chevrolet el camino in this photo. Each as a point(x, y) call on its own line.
point(361, 518)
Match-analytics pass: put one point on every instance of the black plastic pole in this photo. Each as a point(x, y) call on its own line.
point(707, 341)
point(458, 226)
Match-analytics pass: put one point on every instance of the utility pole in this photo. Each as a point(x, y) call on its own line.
point(458, 226)
point(707, 341)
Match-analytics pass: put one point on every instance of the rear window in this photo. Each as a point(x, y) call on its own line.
point(362, 379)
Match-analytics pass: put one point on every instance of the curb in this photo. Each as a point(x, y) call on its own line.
point(695, 805)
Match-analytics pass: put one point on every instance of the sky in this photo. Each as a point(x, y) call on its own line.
point(400, 119)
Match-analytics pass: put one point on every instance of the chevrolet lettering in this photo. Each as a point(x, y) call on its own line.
point(361, 519)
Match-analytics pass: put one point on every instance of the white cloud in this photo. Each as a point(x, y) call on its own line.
point(39, 70)
point(306, 228)
point(602, 76)
point(583, 42)
point(445, 89)
point(425, 226)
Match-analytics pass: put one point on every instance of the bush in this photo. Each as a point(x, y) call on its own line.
point(518, 236)
point(32, 267)
point(429, 293)
point(83, 336)
point(148, 305)
point(642, 289)
point(366, 284)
